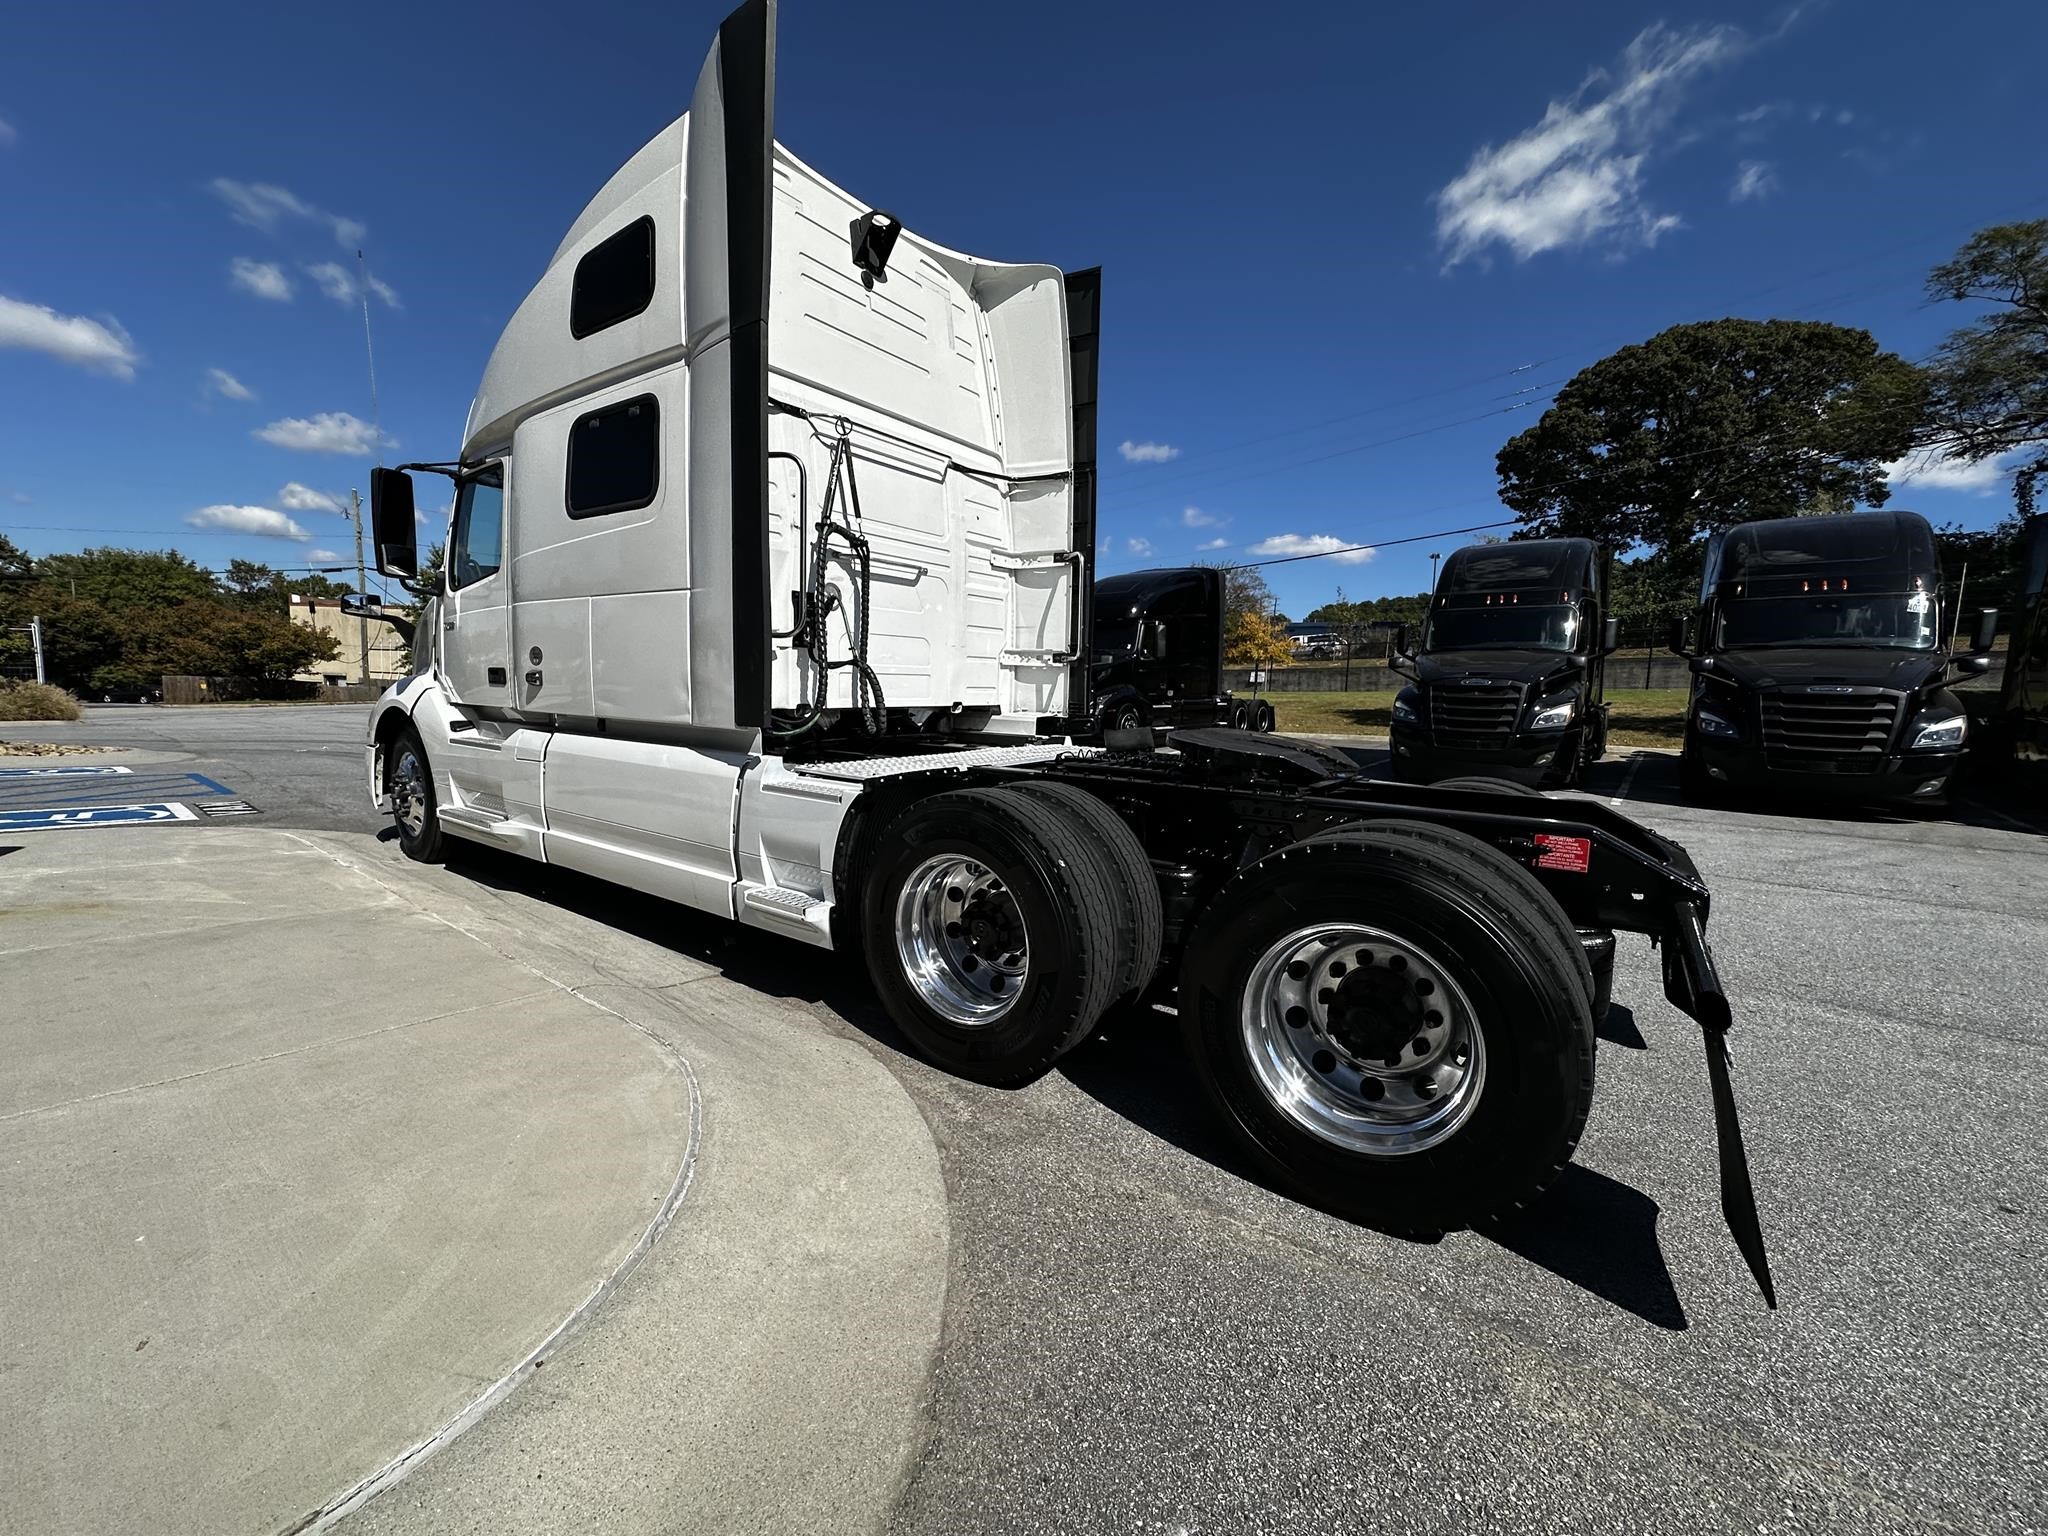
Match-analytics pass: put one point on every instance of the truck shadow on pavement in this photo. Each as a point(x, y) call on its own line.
point(1652, 780)
point(1591, 1230)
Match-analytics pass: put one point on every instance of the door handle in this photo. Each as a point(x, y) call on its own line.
point(448, 625)
point(533, 678)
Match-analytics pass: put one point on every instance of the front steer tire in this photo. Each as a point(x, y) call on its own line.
point(1039, 866)
point(416, 810)
point(1512, 960)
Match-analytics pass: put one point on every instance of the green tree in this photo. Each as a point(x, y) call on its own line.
point(120, 579)
point(13, 560)
point(1713, 423)
point(1989, 394)
point(250, 585)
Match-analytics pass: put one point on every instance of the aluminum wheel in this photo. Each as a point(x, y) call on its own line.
point(1363, 1039)
point(409, 791)
point(961, 939)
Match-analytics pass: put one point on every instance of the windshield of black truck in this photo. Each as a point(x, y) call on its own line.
point(1520, 627)
point(1904, 619)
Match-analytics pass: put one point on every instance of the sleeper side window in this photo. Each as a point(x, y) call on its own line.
point(614, 280)
point(476, 546)
point(615, 458)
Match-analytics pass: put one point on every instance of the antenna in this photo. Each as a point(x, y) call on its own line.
point(369, 352)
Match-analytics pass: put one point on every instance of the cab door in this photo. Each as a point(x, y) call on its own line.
point(476, 634)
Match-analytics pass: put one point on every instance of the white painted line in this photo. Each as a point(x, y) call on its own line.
point(53, 773)
point(1628, 778)
point(63, 818)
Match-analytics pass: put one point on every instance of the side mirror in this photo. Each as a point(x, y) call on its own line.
point(392, 523)
point(1675, 636)
point(364, 605)
point(1971, 666)
point(1610, 637)
point(1400, 639)
point(1986, 630)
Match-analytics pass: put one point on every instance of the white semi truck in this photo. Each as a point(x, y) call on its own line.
point(767, 592)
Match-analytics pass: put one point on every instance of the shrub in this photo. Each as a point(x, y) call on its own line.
point(35, 701)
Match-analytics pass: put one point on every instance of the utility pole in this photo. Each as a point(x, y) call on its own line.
point(355, 512)
point(1432, 573)
point(1962, 586)
point(35, 638)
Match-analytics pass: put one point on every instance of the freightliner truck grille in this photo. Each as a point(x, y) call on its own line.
point(1473, 717)
point(1828, 732)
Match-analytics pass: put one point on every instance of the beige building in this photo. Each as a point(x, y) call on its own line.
point(387, 651)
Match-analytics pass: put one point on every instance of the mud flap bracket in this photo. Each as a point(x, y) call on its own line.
point(1691, 984)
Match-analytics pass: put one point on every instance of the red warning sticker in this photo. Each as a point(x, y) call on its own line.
point(1573, 855)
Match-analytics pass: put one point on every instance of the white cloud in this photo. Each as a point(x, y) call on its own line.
point(339, 284)
point(260, 521)
point(1577, 176)
point(19, 498)
point(1215, 544)
point(1754, 180)
point(1844, 118)
point(328, 432)
point(323, 556)
point(263, 205)
point(265, 279)
point(8, 137)
point(335, 280)
point(1147, 453)
point(1339, 550)
point(303, 498)
point(227, 386)
point(99, 345)
point(1138, 546)
point(1759, 113)
point(1195, 517)
point(1929, 470)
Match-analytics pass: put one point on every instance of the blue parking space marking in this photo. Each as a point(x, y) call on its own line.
point(107, 795)
point(62, 818)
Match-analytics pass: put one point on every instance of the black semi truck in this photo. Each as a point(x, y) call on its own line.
point(1158, 654)
point(2017, 724)
point(1509, 676)
point(1821, 664)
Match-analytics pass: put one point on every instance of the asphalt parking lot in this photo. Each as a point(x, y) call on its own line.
point(1138, 1336)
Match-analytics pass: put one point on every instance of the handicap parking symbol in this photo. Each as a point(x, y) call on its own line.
point(62, 818)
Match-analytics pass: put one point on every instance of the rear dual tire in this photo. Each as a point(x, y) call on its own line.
point(1000, 923)
point(1391, 1028)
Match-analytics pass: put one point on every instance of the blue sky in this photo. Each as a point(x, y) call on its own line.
point(1348, 249)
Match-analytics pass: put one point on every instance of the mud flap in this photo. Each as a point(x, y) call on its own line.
point(1691, 984)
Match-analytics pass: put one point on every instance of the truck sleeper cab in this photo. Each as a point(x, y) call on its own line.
point(1510, 675)
point(1820, 664)
point(766, 594)
point(1158, 653)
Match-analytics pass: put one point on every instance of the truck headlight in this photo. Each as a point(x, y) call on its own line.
point(1554, 717)
point(1711, 724)
point(1404, 707)
point(1940, 735)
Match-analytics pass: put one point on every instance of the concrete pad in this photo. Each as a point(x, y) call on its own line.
point(307, 1154)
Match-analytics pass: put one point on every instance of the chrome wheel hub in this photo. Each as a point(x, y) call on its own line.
point(961, 939)
point(409, 792)
point(1362, 1039)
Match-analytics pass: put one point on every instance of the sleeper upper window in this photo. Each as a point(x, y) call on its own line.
point(614, 280)
point(615, 458)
